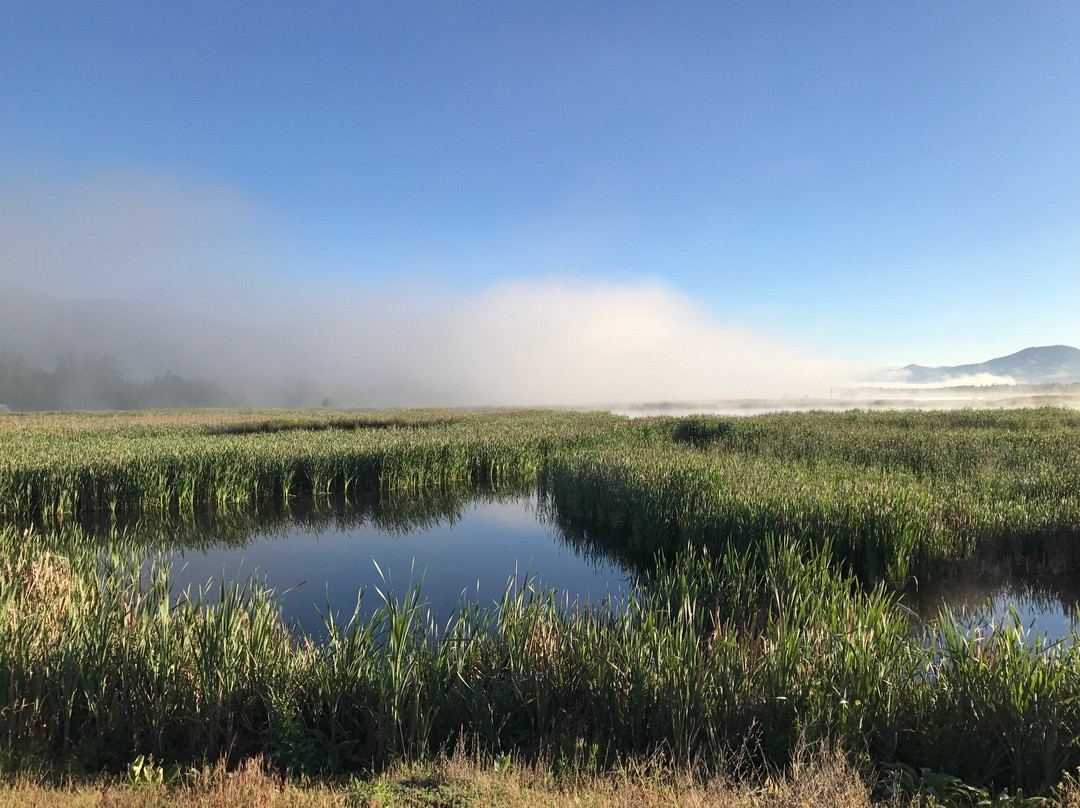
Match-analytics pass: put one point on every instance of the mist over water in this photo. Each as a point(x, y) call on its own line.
point(168, 276)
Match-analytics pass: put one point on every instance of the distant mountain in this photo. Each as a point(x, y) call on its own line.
point(1049, 364)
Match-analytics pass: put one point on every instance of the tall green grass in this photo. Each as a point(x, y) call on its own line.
point(740, 654)
point(899, 494)
point(763, 621)
point(56, 467)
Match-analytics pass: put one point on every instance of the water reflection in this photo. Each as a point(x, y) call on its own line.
point(471, 556)
point(395, 513)
point(1046, 605)
point(464, 540)
point(321, 553)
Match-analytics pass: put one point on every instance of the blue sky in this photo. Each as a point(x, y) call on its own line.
point(879, 182)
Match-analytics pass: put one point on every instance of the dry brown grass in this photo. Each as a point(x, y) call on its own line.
point(250, 786)
point(45, 586)
point(827, 781)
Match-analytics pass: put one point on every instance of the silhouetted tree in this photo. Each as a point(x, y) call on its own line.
point(81, 382)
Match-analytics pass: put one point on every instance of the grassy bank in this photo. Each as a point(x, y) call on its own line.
point(462, 781)
point(898, 494)
point(761, 630)
point(737, 657)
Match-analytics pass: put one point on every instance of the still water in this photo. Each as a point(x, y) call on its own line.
point(1045, 605)
point(473, 544)
point(473, 553)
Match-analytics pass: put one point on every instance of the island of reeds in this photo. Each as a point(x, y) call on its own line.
point(769, 616)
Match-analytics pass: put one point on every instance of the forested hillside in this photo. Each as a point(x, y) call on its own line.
point(81, 382)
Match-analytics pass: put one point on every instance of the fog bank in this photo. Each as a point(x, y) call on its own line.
point(165, 276)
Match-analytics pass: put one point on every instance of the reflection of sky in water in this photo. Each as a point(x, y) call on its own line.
point(1046, 606)
point(477, 554)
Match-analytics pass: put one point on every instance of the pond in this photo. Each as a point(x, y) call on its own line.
point(474, 551)
point(469, 543)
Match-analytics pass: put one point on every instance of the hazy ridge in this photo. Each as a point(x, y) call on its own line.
point(1046, 364)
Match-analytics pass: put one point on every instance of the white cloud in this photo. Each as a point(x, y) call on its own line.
point(572, 343)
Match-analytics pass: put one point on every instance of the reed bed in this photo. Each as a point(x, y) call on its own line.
point(716, 660)
point(57, 467)
point(899, 494)
point(764, 621)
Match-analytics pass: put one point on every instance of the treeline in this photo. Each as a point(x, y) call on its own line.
point(82, 382)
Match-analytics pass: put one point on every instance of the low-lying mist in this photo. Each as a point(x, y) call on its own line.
point(167, 277)
point(526, 343)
